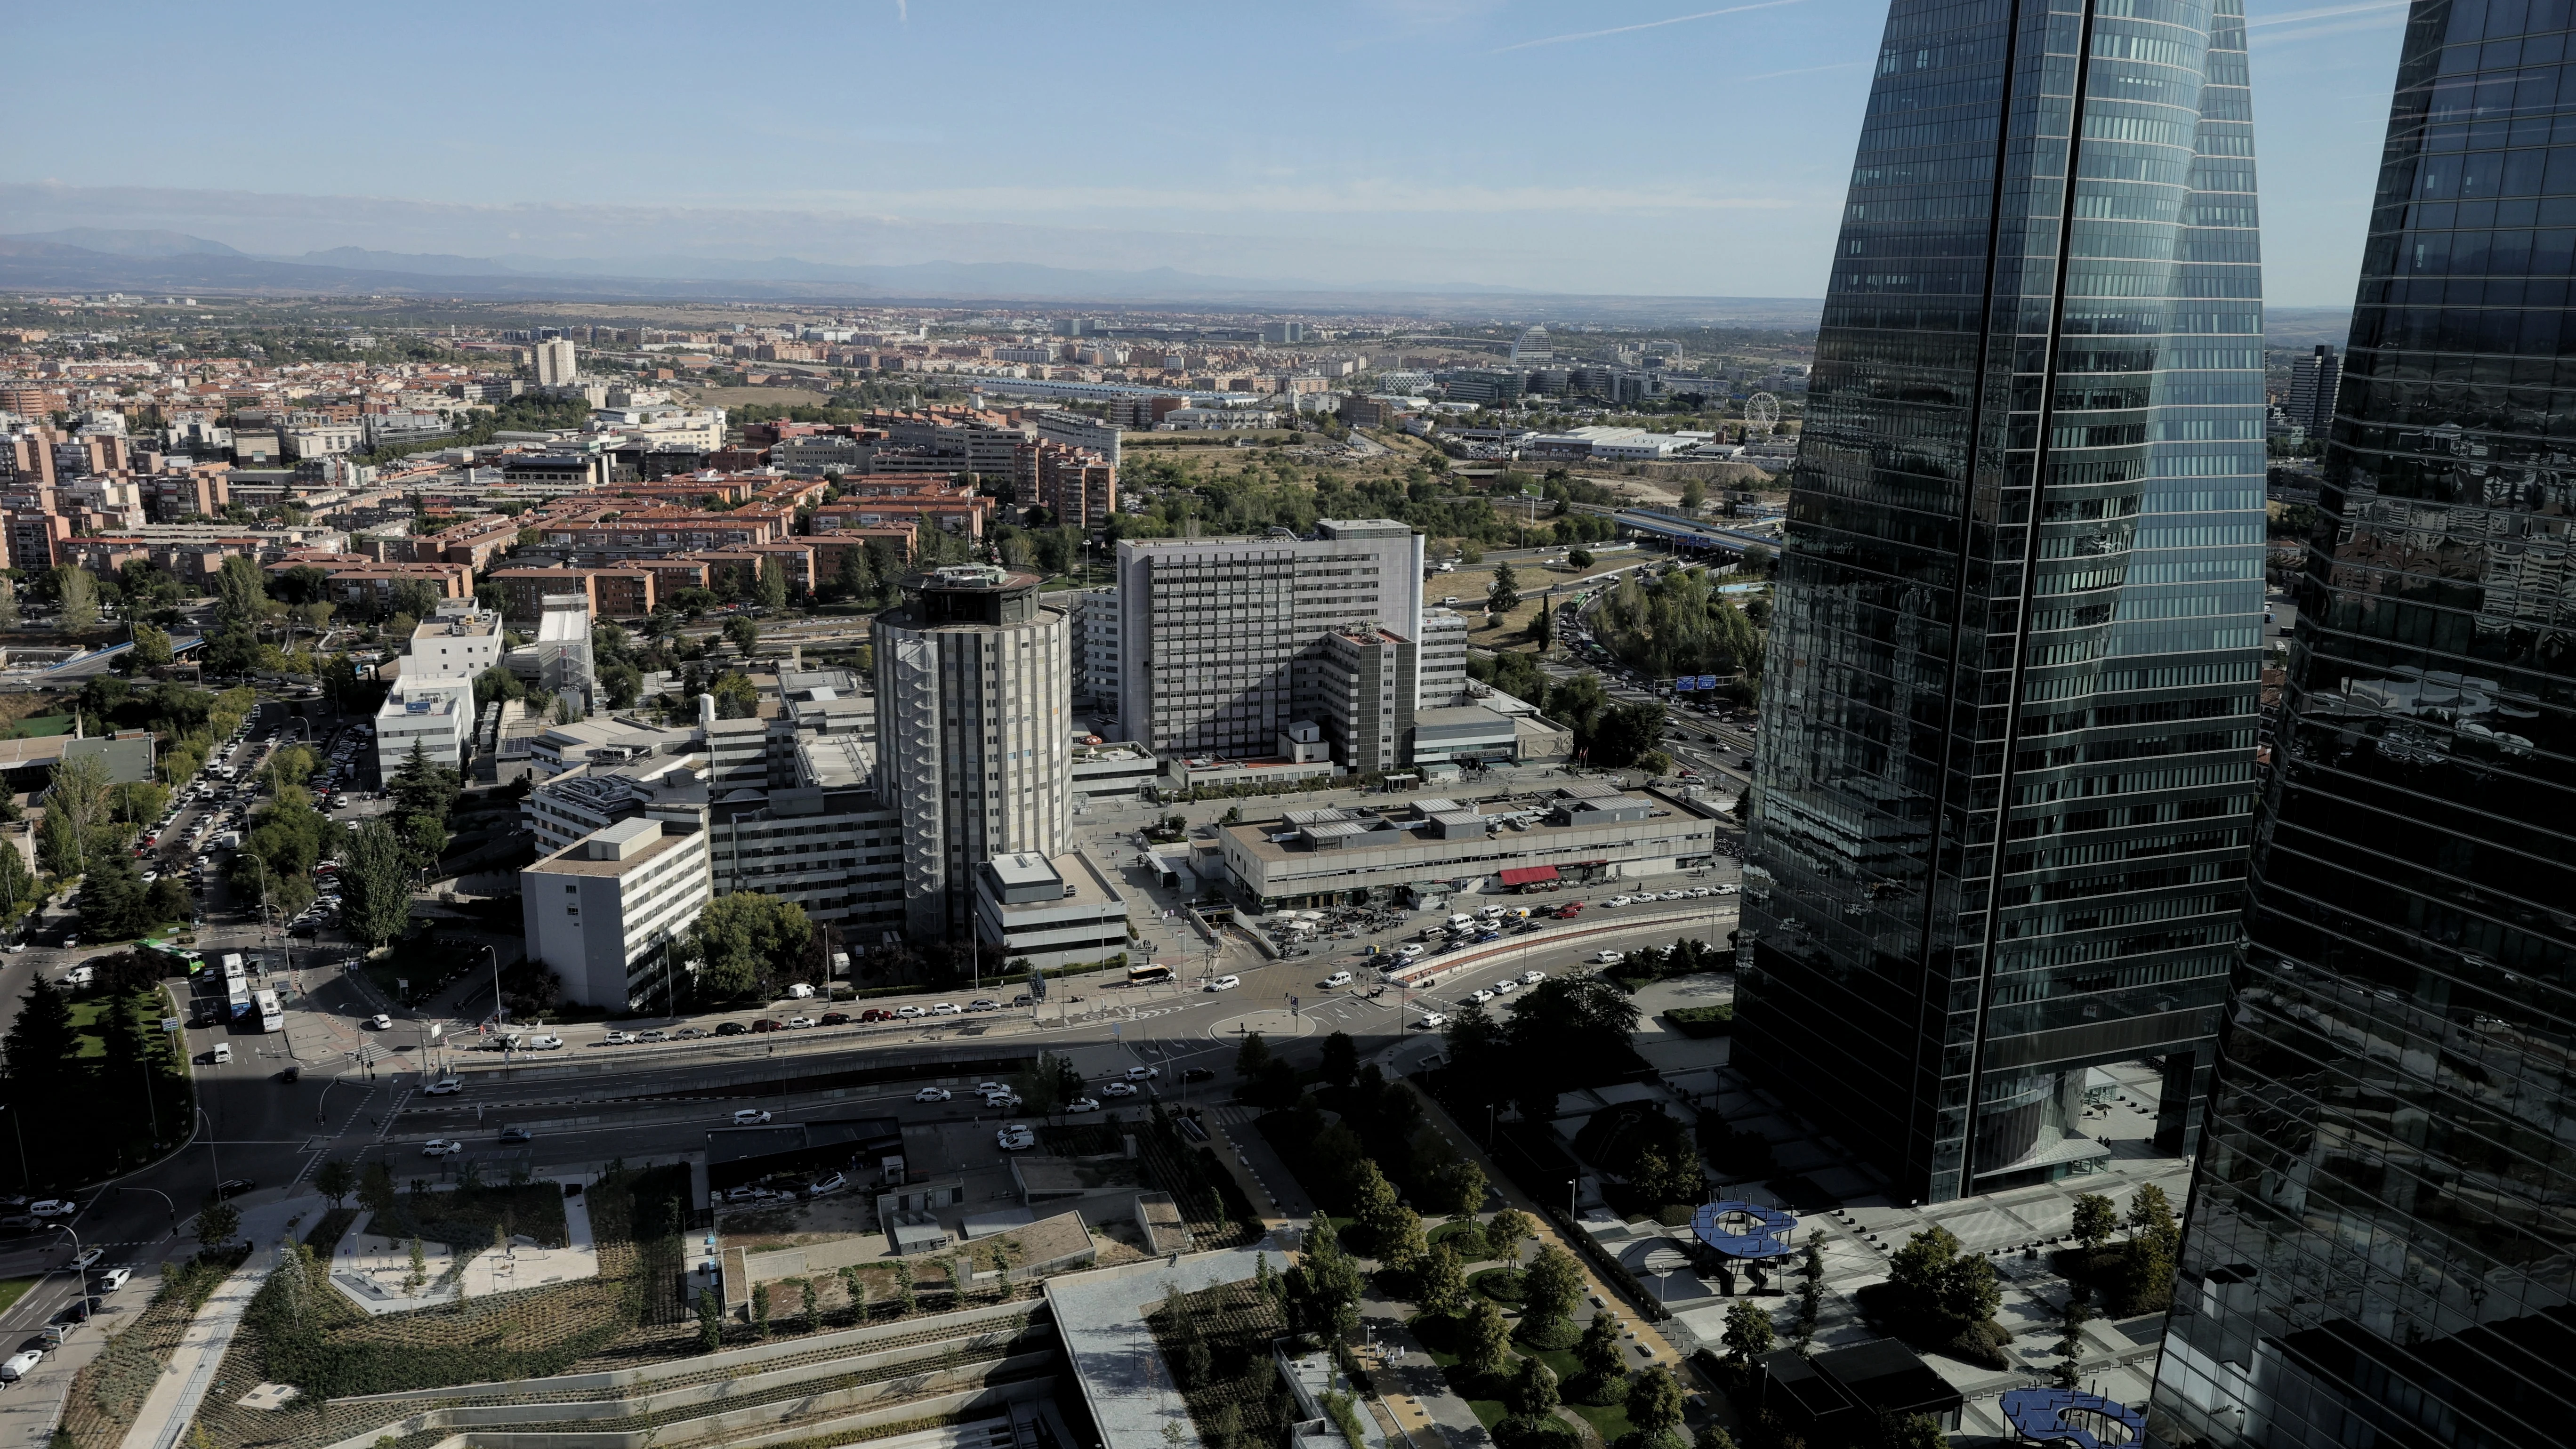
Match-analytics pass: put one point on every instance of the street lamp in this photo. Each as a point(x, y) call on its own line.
point(166, 1202)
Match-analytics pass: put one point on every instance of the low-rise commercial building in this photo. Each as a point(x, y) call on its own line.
point(1585, 832)
point(1048, 911)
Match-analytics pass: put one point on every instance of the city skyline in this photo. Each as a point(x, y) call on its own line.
point(1382, 138)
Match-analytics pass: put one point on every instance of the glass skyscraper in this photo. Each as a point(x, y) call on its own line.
point(2382, 1238)
point(2009, 712)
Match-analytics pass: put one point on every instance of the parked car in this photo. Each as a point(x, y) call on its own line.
point(686, 1033)
point(1082, 1104)
point(945, 1008)
point(441, 1147)
point(875, 1013)
point(909, 1013)
point(732, 1028)
point(1118, 1089)
point(20, 1364)
point(834, 1018)
point(750, 1117)
point(826, 1186)
point(543, 1043)
point(53, 1207)
point(768, 1023)
point(617, 1038)
point(983, 1003)
point(1016, 1137)
point(1532, 977)
point(800, 1023)
point(932, 1094)
point(111, 1280)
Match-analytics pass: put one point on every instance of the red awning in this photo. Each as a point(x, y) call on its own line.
point(1525, 874)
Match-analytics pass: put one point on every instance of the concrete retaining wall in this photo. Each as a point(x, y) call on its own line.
point(995, 1396)
point(964, 1321)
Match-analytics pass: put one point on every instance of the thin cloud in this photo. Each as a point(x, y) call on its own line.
point(1642, 25)
point(2331, 10)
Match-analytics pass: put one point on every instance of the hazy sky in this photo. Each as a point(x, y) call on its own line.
point(1613, 146)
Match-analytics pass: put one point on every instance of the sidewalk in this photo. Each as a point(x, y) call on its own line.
point(182, 1387)
point(33, 1407)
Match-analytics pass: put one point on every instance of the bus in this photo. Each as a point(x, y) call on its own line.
point(239, 1009)
point(1149, 975)
point(272, 1017)
point(160, 951)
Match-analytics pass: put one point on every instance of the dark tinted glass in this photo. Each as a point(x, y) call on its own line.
point(2378, 1247)
point(2010, 701)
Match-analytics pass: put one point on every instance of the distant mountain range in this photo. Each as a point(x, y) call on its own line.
point(92, 259)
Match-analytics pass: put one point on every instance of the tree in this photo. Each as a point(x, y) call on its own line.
point(2151, 1214)
point(736, 696)
point(1748, 1333)
point(1579, 558)
point(1542, 625)
point(1484, 1339)
point(1916, 1431)
point(710, 1321)
point(79, 593)
point(8, 603)
point(1550, 1286)
point(1503, 595)
point(335, 1179)
point(111, 904)
point(80, 796)
point(42, 1048)
point(773, 584)
point(742, 634)
point(375, 884)
point(1050, 1085)
point(2095, 1220)
point(745, 941)
point(1694, 495)
point(1533, 1392)
point(2070, 1343)
point(1654, 1401)
point(151, 647)
point(1341, 1059)
point(1251, 1057)
point(1455, 1189)
point(1712, 1436)
point(1623, 732)
point(217, 1224)
point(1598, 1353)
point(1324, 1288)
point(1399, 1240)
point(241, 594)
point(760, 1309)
point(497, 683)
point(1440, 1283)
point(1504, 1232)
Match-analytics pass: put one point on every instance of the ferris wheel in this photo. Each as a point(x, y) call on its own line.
point(1761, 413)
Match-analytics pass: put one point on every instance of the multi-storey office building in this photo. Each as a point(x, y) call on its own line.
point(1222, 641)
point(974, 712)
point(2314, 380)
point(2009, 710)
point(2381, 1246)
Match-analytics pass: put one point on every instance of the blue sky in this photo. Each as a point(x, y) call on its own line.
point(1623, 146)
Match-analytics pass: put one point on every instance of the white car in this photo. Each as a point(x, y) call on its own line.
point(52, 1207)
point(1701, 891)
point(543, 1043)
point(1016, 1137)
point(799, 1023)
point(1118, 1089)
point(1143, 1074)
point(1480, 996)
point(617, 1038)
point(1728, 889)
point(909, 1012)
point(1082, 1104)
point(1224, 983)
point(1338, 978)
point(1408, 950)
point(88, 1256)
point(945, 1008)
point(1675, 895)
point(441, 1147)
point(1618, 900)
point(1506, 986)
point(1430, 1021)
point(1532, 977)
point(1608, 958)
point(750, 1117)
point(931, 1094)
point(444, 1087)
point(826, 1186)
point(21, 1364)
point(1003, 1100)
point(380, 1022)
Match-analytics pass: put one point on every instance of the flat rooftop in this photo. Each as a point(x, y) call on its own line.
point(568, 862)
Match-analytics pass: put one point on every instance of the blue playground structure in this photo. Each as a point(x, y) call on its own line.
point(1744, 1230)
point(2041, 1414)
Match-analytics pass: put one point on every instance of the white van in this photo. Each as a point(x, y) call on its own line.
point(18, 1365)
point(1461, 922)
point(223, 1053)
point(1491, 913)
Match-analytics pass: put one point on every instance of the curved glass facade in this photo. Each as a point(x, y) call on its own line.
point(2382, 1238)
point(2002, 809)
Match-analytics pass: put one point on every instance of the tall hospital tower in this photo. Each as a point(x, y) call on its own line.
point(2381, 1247)
point(2003, 809)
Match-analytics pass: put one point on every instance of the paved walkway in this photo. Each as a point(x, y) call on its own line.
point(175, 1398)
point(32, 1407)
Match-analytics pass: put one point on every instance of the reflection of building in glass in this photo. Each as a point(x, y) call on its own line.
point(2012, 684)
point(2382, 1242)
